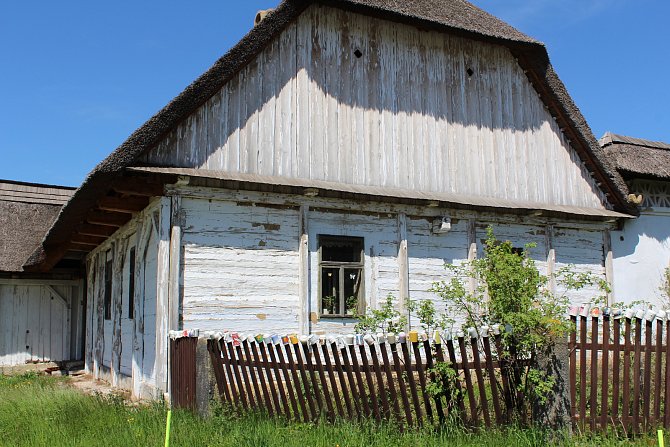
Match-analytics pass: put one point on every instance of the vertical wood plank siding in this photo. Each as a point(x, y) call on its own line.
point(405, 114)
point(35, 324)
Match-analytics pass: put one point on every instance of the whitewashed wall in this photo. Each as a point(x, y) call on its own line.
point(240, 266)
point(642, 248)
point(242, 262)
point(124, 350)
point(406, 114)
point(39, 322)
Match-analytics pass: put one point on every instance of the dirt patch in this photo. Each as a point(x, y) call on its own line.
point(90, 385)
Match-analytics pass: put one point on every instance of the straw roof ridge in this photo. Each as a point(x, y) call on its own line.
point(27, 211)
point(637, 157)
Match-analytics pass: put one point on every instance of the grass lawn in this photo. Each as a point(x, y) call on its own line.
point(44, 411)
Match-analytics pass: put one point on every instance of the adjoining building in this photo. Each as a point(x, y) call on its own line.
point(340, 152)
point(41, 314)
point(641, 246)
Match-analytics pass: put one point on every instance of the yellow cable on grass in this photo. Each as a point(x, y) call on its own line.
point(661, 442)
point(167, 428)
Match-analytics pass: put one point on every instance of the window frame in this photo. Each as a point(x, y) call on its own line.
point(323, 239)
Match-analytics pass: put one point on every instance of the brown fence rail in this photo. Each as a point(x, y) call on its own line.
point(619, 373)
point(382, 381)
point(182, 372)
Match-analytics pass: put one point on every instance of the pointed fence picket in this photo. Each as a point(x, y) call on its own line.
point(619, 373)
point(309, 381)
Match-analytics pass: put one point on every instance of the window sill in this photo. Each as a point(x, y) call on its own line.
point(336, 317)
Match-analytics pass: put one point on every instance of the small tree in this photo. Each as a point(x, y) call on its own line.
point(511, 292)
point(385, 319)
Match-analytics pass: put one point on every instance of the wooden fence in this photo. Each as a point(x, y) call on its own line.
point(384, 381)
point(619, 373)
point(182, 372)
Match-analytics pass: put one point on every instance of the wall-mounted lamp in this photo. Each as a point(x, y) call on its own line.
point(442, 225)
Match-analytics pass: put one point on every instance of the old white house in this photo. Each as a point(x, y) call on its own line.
point(641, 246)
point(341, 151)
point(41, 314)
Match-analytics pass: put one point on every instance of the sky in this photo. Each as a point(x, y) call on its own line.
point(77, 78)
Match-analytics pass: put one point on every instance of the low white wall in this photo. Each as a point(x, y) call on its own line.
point(641, 253)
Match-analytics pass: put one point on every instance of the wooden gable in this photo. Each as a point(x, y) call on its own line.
point(351, 99)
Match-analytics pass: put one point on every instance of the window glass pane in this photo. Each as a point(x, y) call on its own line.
point(330, 290)
point(341, 250)
point(352, 288)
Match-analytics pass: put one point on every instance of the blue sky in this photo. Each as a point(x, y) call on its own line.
point(78, 78)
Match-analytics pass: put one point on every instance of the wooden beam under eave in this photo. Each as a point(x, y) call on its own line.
point(84, 248)
point(88, 240)
point(137, 187)
point(127, 205)
point(115, 220)
point(96, 230)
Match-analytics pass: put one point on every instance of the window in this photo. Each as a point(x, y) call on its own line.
point(131, 284)
point(341, 276)
point(108, 286)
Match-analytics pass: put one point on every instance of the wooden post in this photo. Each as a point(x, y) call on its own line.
point(616, 361)
point(637, 372)
point(99, 336)
point(90, 306)
point(604, 395)
point(119, 253)
point(573, 369)
point(658, 387)
point(551, 257)
point(582, 371)
point(593, 397)
point(175, 274)
point(472, 251)
point(609, 264)
point(303, 250)
point(143, 235)
point(625, 417)
point(646, 381)
point(162, 295)
point(403, 267)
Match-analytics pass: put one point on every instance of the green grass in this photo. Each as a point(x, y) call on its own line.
point(42, 411)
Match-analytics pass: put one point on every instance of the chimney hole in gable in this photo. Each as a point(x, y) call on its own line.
point(358, 53)
point(470, 71)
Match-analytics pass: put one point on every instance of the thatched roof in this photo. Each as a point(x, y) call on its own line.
point(27, 211)
point(452, 16)
point(638, 158)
